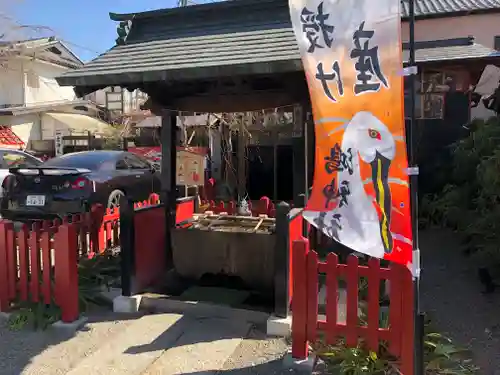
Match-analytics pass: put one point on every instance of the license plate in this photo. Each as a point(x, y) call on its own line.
point(35, 200)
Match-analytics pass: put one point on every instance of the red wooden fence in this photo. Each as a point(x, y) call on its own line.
point(40, 264)
point(306, 323)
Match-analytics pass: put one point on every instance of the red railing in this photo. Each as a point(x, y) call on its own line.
point(151, 259)
point(40, 264)
point(306, 322)
point(295, 228)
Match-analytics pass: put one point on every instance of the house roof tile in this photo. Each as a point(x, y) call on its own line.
point(443, 7)
point(205, 45)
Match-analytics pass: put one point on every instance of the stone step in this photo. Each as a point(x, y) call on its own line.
point(170, 342)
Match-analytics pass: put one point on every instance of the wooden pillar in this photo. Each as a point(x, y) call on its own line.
point(241, 157)
point(168, 175)
point(300, 184)
point(275, 166)
point(282, 261)
point(127, 241)
point(311, 146)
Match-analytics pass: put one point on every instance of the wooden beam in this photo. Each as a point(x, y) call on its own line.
point(299, 159)
point(242, 102)
point(241, 156)
point(168, 176)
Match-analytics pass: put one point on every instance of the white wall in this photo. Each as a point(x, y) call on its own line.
point(41, 86)
point(131, 100)
point(11, 84)
point(26, 127)
point(32, 82)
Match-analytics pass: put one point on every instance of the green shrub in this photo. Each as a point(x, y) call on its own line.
point(441, 357)
point(469, 202)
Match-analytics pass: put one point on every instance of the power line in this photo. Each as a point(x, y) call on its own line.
point(80, 47)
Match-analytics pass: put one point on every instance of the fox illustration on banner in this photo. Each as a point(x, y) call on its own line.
point(352, 58)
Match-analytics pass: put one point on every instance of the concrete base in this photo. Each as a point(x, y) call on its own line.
point(124, 304)
point(304, 366)
point(281, 327)
point(73, 326)
point(4, 315)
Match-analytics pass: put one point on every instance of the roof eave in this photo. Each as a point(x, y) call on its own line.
point(180, 75)
point(19, 111)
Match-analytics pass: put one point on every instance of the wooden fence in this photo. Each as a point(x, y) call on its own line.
point(362, 318)
point(40, 263)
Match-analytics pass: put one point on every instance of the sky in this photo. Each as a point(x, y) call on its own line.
point(83, 25)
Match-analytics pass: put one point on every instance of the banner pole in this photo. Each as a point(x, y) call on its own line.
point(413, 174)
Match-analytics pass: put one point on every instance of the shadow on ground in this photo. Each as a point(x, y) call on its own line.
point(53, 351)
point(190, 330)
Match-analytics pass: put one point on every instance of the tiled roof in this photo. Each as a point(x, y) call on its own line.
point(449, 49)
point(441, 7)
point(200, 45)
point(422, 7)
point(9, 138)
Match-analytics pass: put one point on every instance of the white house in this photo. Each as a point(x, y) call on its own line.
point(32, 105)
point(118, 100)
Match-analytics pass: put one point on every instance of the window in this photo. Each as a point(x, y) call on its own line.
point(120, 164)
point(429, 95)
point(135, 162)
point(18, 160)
point(87, 160)
point(432, 89)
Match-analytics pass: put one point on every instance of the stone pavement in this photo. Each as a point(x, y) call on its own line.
point(153, 344)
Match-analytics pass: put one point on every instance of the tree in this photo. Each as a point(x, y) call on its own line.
point(11, 29)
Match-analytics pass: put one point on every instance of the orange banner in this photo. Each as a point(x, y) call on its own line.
point(351, 52)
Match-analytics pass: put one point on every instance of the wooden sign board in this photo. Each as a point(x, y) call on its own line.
point(190, 165)
point(190, 168)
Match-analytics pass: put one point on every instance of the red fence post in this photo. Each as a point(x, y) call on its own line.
point(332, 287)
point(312, 294)
point(407, 325)
point(372, 338)
point(45, 245)
point(4, 269)
point(12, 262)
point(97, 229)
point(300, 249)
point(352, 280)
point(36, 269)
point(24, 267)
point(66, 272)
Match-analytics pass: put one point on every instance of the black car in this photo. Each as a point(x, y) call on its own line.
point(72, 183)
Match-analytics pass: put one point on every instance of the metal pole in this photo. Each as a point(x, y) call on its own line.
point(275, 167)
point(413, 172)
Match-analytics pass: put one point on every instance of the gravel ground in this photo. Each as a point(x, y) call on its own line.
point(258, 355)
point(451, 294)
point(54, 352)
